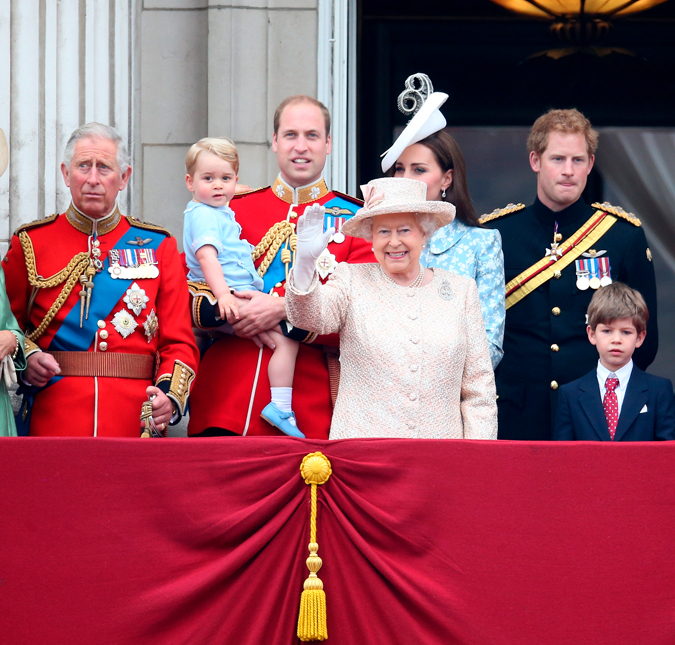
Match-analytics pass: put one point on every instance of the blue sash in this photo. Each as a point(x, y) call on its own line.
point(276, 272)
point(70, 337)
point(106, 294)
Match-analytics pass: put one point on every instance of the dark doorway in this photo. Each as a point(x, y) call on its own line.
point(490, 62)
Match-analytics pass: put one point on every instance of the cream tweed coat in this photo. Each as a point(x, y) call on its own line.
point(415, 362)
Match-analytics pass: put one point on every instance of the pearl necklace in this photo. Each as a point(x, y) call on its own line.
point(417, 282)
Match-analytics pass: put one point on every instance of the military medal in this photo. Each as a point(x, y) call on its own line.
point(133, 264)
point(136, 299)
point(151, 325)
point(124, 323)
point(583, 282)
point(605, 277)
point(325, 264)
point(115, 269)
point(336, 222)
point(554, 252)
point(593, 266)
point(336, 217)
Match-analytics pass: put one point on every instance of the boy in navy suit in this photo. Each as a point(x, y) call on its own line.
point(616, 401)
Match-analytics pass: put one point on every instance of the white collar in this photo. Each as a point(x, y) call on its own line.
point(623, 374)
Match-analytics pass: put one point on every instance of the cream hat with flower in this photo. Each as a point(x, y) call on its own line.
point(4, 153)
point(419, 101)
point(390, 195)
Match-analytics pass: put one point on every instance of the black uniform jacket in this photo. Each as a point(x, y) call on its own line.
point(545, 340)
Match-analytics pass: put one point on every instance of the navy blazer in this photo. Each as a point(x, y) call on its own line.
point(581, 416)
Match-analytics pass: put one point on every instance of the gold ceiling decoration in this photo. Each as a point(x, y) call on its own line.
point(578, 21)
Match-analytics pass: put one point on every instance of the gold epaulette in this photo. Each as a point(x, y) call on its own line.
point(618, 211)
point(349, 198)
point(201, 289)
point(36, 223)
point(148, 226)
point(500, 212)
point(250, 192)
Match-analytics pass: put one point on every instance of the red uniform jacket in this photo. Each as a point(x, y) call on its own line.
point(38, 264)
point(226, 394)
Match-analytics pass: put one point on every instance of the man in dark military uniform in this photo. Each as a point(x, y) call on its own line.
point(557, 252)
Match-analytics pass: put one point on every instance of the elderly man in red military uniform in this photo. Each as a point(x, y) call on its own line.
point(232, 387)
point(103, 302)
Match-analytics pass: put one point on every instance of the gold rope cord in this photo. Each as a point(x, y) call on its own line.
point(271, 243)
point(315, 470)
point(38, 281)
point(71, 274)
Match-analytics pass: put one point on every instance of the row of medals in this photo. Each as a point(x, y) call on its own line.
point(584, 281)
point(141, 271)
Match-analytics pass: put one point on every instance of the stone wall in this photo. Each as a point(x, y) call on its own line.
point(164, 72)
point(216, 69)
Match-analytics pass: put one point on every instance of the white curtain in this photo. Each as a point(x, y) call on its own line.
point(639, 167)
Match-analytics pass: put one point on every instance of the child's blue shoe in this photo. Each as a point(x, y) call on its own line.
point(285, 421)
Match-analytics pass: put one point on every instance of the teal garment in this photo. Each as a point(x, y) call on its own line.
point(475, 253)
point(7, 321)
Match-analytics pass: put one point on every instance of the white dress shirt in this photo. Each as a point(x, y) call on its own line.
point(622, 374)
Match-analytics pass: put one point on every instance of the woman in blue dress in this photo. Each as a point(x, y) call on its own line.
point(463, 246)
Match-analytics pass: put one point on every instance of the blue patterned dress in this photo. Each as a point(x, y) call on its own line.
point(476, 253)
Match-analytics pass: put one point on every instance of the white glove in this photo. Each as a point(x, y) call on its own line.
point(7, 370)
point(312, 241)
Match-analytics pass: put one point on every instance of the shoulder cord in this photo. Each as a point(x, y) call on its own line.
point(70, 275)
point(271, 243)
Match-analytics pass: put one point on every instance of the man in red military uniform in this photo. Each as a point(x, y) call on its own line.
point(232, 387)
point(103, 302)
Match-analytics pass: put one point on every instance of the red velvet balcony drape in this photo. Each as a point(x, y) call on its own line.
point(197, 541)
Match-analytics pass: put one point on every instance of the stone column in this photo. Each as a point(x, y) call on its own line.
point(64, 63)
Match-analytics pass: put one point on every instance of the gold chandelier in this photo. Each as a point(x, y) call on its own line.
point(578, 21)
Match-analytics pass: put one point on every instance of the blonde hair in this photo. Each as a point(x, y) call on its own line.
point(220, 146)
point(565, 121)
point(615, 301)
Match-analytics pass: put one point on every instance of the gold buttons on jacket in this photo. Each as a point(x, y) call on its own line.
point(101, 324)
point(558, 237)
point(557, 275)
point(554, 385)
point(103, 334)
point(555, 311)
point(103, 346)
point(555, 348)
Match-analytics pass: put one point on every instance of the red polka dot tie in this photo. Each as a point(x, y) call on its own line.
point(611, 405)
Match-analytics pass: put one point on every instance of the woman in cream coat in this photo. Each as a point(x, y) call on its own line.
point(413, 349)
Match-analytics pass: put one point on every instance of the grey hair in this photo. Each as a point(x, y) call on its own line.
point(97, 131)
point(426, 222)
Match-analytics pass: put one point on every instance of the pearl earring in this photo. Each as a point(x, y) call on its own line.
point(443, 194)
point(372, 248)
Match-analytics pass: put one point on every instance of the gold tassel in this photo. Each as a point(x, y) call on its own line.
point(312, 625)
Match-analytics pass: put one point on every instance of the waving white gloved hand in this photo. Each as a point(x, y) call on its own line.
point(311, 243)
